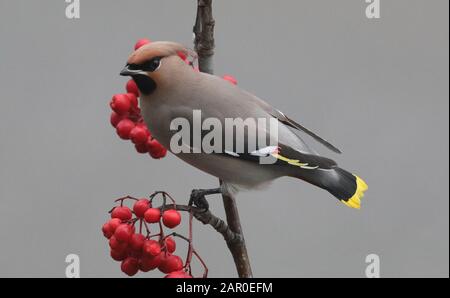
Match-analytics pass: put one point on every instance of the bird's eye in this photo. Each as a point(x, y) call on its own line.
point(152, 64)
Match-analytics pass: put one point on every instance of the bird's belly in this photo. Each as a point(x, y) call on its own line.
point(241, 173)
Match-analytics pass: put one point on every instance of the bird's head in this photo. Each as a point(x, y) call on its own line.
point(154, 64)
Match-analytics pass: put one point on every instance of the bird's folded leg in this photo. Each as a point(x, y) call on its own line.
point(198, 199)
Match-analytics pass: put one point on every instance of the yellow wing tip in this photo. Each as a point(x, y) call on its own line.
point(355, 200)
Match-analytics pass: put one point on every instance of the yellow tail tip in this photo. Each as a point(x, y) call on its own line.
point(355, 200)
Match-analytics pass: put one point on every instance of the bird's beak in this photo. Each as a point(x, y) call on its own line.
point(126, 72)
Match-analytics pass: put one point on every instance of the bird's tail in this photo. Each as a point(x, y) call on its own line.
point(346, 187)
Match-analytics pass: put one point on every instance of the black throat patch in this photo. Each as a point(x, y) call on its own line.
point(145, 84)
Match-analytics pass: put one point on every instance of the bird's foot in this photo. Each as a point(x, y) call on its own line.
point(198, 197)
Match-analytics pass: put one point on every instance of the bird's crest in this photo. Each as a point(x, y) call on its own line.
point(160, 49)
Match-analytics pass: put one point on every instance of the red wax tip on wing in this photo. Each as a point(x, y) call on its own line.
point(230, 79)
point(182, 55)
point(141, 42)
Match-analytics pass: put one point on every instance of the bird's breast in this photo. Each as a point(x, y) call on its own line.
point(157, 116)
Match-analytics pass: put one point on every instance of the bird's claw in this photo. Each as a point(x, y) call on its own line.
point(198, 199)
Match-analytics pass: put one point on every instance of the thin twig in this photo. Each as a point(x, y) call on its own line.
point(204, 36)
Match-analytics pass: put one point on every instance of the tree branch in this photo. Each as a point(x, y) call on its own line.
point(232, 232)
point(207, 218)
point(204, 36)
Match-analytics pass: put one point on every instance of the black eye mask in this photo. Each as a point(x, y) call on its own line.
point(145, 84)
point(149, 66)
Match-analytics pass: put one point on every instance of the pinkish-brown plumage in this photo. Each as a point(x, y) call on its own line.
point(158, 49)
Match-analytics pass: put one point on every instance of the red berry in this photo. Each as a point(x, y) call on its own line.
point(170, 244)
point(118, 255)
point(147, 263)
point(152, 215)
point(139, 135)
point(124, 128)
point(130, 266)
point(114, 223)
point(132, 88)
point(171, 218)
point(230, 79)
point(137, 241)
point(117, 246)
point(159, 153)
point(134, 253)
point(124, 232)
point(178, 274)
point(144, 126)
point(170, 263)
point(122, 213)
point(134, 104)
point(120, 103)
point(153, 144)
point(141, 42)
point(155, 149)
point(140, 207)
point(135, 114)
point(151, 248)
point(141, 148)
point(116, 118)
point(107, 231)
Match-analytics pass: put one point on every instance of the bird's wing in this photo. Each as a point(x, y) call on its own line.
point(286, 120)
point(289, 151)
point(218, 99)
point(286, 156)
point(291, 123)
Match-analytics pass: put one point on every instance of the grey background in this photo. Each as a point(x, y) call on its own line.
point(376, 88)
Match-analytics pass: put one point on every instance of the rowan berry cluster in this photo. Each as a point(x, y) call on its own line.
point(133, 242)
point(128, 121)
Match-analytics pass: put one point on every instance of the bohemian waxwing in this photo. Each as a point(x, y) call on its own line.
point(170, 89)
